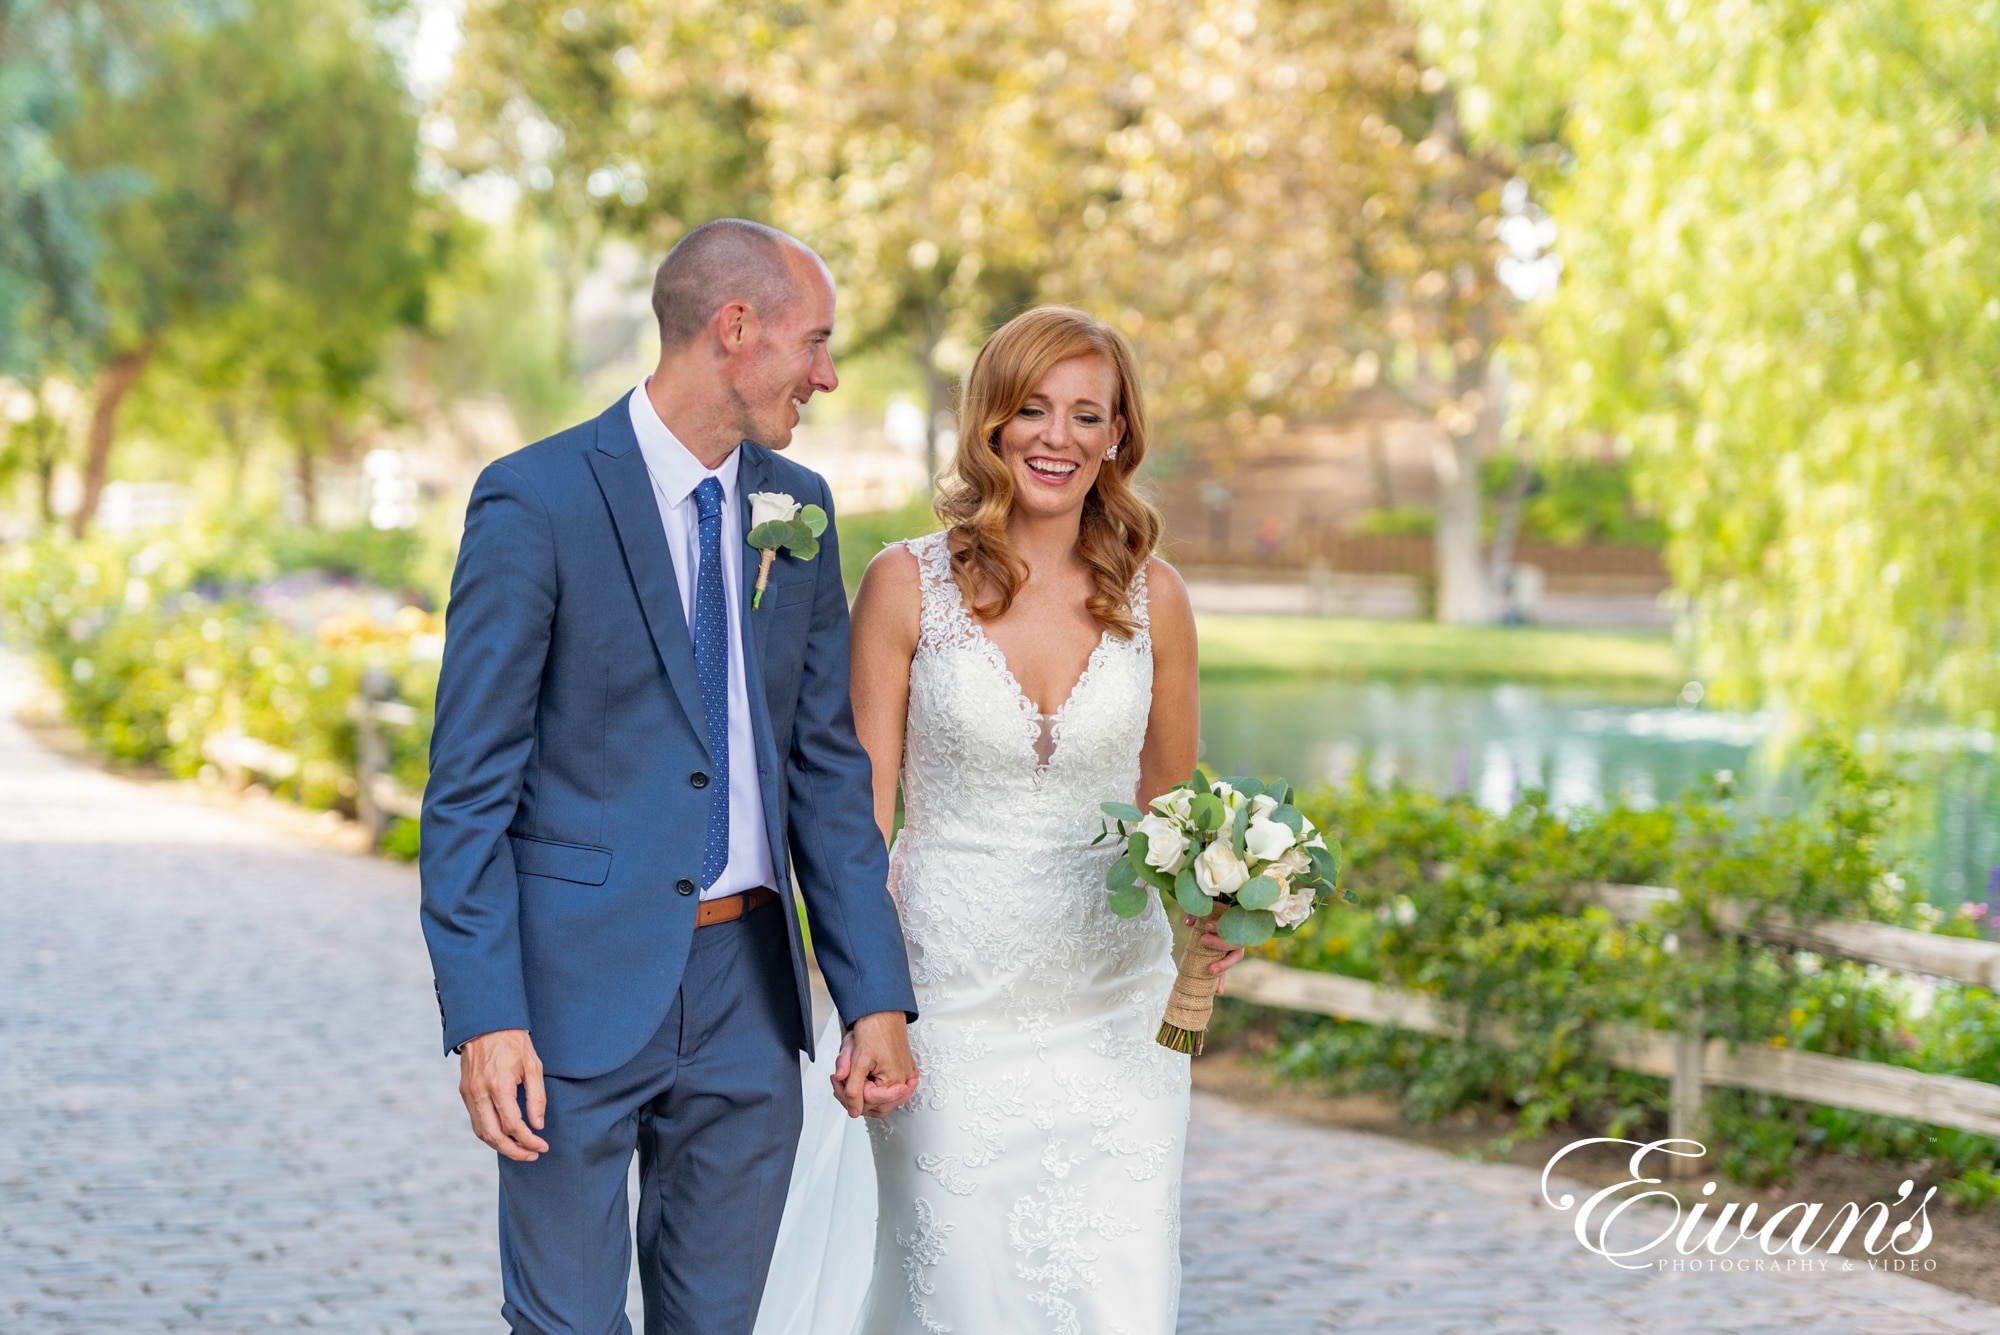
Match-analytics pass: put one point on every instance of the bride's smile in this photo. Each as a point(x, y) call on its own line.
point(1055, 444)
point(1011, 673)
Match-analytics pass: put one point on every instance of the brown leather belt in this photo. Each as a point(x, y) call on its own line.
point(729, 908)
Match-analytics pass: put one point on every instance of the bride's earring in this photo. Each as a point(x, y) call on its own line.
point(1111, 453)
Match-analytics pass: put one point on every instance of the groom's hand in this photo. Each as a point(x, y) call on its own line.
point(875, 1072)
point(491, 1071)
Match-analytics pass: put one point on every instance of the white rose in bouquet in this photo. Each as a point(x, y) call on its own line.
point(768, 505)
point(1166, 844)
point(1218, 871)
point(1205, 842)
point(1266, 840)
point(1293, 907)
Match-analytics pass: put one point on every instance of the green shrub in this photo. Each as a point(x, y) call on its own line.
point(162, 661)
point(1483, 910)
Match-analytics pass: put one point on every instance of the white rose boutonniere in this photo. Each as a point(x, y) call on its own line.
point(777, 521)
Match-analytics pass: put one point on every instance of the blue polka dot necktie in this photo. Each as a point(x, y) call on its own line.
point(711, 659)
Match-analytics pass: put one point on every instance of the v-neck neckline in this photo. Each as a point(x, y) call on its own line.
point(1030, 712)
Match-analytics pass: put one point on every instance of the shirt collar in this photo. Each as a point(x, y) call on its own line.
point(676, 472)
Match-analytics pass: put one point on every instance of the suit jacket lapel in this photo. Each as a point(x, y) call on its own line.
point(635, 514)
point(754, 474)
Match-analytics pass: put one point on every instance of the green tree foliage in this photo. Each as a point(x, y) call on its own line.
point(1781, 235)
point(270, 240)
point(49, 50)
point(1273, 200)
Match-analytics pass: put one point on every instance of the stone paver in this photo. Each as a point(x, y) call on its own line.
point(226, 1112)
point(1298, 1230)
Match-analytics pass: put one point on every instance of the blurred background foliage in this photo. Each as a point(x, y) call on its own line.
point(1781, 286)
point(247, 238)
point(1720, 276)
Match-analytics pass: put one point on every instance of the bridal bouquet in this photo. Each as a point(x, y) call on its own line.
point(1236, 845)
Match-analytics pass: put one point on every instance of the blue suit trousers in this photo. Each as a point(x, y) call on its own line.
point(711, 1105)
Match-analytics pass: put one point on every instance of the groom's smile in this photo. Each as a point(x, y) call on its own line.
point(791, 357)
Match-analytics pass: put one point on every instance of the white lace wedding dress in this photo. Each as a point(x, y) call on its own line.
point(1033, 1185)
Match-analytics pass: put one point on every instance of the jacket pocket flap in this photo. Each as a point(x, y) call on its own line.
point(566, 862)
point(790, 592)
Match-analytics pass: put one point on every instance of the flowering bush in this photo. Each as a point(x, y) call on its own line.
point(164, 659)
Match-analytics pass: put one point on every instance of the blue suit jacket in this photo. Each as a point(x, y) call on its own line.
point(563, 827)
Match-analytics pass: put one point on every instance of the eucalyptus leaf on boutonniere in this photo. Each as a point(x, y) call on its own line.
point(777, 521)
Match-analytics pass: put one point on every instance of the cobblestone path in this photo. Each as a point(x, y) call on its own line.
point(225, 1111)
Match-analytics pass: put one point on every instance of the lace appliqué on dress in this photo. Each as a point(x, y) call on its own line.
point(1047, 1140)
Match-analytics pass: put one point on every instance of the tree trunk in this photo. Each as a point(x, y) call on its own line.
point(929, 331)
point(1468, 582)
point(308, 484)
point(1462, 593)
point(1378, 460)
point(45, 487)
point(114, 382)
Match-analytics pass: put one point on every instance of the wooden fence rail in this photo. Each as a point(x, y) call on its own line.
point(378, 798)
point(1838, 1082)
point(1690, 1060)
point(1961, 959)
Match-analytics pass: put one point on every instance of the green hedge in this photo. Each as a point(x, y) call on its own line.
point(158, 653)
point(1480, 908)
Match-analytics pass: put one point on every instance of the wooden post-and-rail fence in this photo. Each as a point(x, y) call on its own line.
point(1690, 1060)
point(378, 798)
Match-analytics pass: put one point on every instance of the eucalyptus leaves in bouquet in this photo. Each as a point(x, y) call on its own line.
point(1233, 849)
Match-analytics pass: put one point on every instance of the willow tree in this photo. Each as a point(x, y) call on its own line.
point(1781, 286)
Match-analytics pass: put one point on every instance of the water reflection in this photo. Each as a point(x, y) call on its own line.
point(1492, 741)
point(1583, 746)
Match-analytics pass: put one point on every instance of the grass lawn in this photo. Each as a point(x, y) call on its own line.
point(1246, 646)
point(863, 535)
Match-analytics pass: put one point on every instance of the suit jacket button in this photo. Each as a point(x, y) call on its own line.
point(698, 779)
point(684, 885)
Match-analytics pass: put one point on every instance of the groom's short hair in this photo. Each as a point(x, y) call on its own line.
point(730, 259)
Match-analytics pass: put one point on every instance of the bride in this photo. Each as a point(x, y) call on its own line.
point(1027, 663)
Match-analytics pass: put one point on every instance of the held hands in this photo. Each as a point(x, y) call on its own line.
point(1221, 968)
point(875, 1072)
point(491, 1069)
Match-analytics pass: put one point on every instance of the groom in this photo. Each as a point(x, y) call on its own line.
point(625, 754)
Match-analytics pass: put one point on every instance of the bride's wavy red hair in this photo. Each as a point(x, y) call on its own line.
point(1119, 529)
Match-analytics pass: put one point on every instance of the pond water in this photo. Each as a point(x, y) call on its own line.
point(1584, 747)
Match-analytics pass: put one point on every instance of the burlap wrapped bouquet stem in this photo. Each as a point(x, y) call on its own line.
point(1193, 999)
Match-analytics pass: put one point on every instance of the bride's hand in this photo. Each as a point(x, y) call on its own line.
point(884, 1044)
point(1209, 939)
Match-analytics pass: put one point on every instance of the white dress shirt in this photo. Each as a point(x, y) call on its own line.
point(676, 473)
